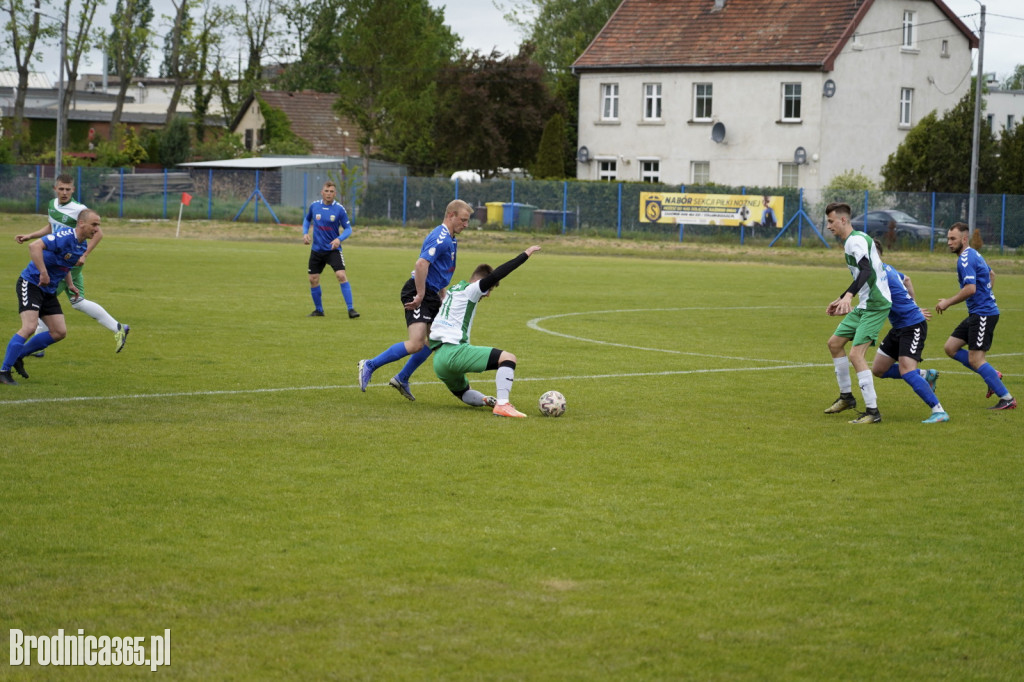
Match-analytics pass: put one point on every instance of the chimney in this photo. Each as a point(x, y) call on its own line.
point(719, 5)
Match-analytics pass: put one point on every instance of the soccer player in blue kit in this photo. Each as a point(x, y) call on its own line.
point(901, 350)
point(421, 298)
point(330, 225)
point(52, 258)
point(975, 332)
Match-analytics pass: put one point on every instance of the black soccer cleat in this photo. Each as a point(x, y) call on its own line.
point(352, 314)
point(1005, 404)
point(845, 401)
point(19, 367)
point(6, 378)
point(316, 313)
point(871, 416)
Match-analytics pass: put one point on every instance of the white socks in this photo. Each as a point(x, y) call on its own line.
point(843, 374)
point(867, 388)
point(96, 312)
point(503, 383)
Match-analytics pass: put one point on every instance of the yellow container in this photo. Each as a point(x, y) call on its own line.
point(495, 212)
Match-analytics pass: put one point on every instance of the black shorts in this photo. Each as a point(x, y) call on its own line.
point(429, 306)
point(977, 331)
point(905, 342)
point(31, 297)
point(318, 260)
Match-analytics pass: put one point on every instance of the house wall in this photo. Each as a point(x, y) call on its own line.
point(250, 125)
point(857, 128)
point(1002, 104)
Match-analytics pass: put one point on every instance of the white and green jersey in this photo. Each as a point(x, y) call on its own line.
point(454, 321)
point(63, 216)
point(874, 295)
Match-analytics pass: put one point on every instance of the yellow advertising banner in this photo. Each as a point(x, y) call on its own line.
point(752, 210)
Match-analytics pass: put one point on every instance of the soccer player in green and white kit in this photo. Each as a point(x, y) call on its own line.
point(63, 214)
point(449, 338)
point(861, 324)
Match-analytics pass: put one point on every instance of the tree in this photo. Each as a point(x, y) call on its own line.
point(393, 51)
point(279, 137)
point(561, 30)
point(22, 31)
point(254, 26)
point(551, 154)
point(127, 44)
point(1015, 81)
point(320, 60)
point(492, 111)
point(205, 42)
point(78, 43)
point(1011, 161)
point(936, 154)
point(179, 55)
point(175, 143)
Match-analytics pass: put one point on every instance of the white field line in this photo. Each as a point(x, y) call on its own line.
point(532, 324)
point(535, 325)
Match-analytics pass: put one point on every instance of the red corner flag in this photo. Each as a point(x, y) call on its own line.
point(186, 198)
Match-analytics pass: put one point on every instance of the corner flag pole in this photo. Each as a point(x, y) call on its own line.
point(186, 199)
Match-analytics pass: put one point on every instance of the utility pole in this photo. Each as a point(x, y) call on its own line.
point(972, 205)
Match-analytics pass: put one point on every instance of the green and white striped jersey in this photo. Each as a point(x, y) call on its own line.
point(874, 295)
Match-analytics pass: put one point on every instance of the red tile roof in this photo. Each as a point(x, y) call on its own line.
point(745, 34)
point(313, 119)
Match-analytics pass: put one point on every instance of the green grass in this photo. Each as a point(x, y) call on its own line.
point(694, 515)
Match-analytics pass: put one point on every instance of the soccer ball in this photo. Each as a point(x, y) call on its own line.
point(552, 404)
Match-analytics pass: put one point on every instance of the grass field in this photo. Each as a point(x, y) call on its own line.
point(694, 515)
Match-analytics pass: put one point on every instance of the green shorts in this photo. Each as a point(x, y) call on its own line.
point(76, 277)
point(862, 326)
point(453, 360)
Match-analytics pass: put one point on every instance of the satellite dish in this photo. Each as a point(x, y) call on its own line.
point(583, 155)
point(718, 132)
point(829, 89)
point(800, 156)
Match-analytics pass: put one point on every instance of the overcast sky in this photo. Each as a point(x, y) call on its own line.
point(482, 26)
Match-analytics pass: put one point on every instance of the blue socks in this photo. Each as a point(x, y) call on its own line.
point(396, 352)
point(37, 343)
point(318, 301)
point(987, 372)
point(346, 293)
point(921, 387)
point(14, 351)
point(414, 361)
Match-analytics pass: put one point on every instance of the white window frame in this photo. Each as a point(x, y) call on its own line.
point(608, 169)
point(792, 101)
point(789, 174)
point(1011, 122)
point(703, 98)
point(909, 30)
point(652, 101)
point(650, 170)
point(609, 101)
point(906, 107)
point(944, 51)
point(700, 172)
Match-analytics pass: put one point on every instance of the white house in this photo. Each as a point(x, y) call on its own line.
point(1004, 110)
point(763, 92)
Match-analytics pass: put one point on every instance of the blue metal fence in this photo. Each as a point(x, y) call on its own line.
point(554, 206)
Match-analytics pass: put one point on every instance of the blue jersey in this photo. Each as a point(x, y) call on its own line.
point(329, 222)
point(439, 250)
point(971, 268)
point(905, 311)
point(61, 252)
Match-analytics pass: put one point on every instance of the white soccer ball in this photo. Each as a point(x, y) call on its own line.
point(552, 404)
